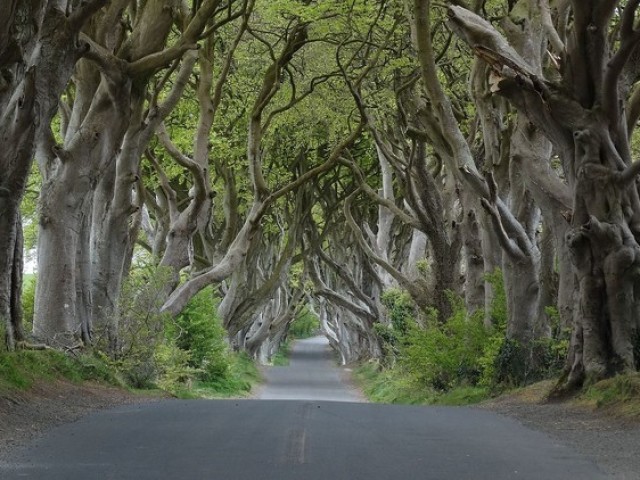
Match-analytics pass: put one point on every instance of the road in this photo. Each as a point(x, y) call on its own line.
point(312, 374)
point(301, 438)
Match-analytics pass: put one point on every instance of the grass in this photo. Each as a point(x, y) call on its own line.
point(20, 370)
point(281, 358)
point(239, 381)
point(618, 396)
point(393, 386)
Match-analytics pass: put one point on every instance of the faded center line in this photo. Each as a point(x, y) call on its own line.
point(295, 448)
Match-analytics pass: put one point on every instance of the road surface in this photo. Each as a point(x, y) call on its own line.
point(312, 374)
point(301, 439)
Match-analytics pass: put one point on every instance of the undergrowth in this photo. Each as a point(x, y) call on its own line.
point(188, 356)
point(618, 396)
point(20, 370)
point(243, 374)
point(460, 361)
point(281, 358)
point(392, 386)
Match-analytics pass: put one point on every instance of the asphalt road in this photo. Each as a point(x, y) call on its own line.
point(312, 374)
point(296, 439)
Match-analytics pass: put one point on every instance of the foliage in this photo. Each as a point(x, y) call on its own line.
point(28, 300)
point(461, 352)
point(392, 386)
point(19, 370)
point(401, 309)
point(198, 330)
point(187, 356)
point(281, 358)
point(440, 356)
point(402, 313)
point(243, 373)
point(200, 341)
point(508, 363)
point(142, 343)
point(305, 325)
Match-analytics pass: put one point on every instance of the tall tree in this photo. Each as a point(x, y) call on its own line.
point(581, 108)
point(108, 94)
point(39, 47)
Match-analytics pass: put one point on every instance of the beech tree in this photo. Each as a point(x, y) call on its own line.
point(39, 47)
point(108, 96)
point(586, 109)
point(325, 153)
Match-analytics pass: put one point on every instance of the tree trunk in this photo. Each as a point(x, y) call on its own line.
point(11, 286)
point(64, 204)
point(474, 275)
point(38, 49)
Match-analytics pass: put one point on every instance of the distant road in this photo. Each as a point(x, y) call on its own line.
point(312, 374)
point(296, 439)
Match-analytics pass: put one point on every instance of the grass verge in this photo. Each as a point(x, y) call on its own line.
point(238, 382)
point(281, 358)
point(392, 386)
point(618, 396)
point(20, 370)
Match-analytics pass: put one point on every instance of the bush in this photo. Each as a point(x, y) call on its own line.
point(305, 325)
point(28, 301)
point(141, 329)
point(442, 355)
point(463, 352)
point(508, 363)
point(401, 309)
point(199, 331)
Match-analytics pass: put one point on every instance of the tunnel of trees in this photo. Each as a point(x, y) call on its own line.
point(400, 169)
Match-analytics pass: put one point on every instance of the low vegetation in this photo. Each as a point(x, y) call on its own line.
point(188, 356)
point(456, 362)
point(618, 396)
point(305, 325)
point(20, 370)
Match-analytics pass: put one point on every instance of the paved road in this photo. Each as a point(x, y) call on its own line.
point(312, 374)
point(296, 440)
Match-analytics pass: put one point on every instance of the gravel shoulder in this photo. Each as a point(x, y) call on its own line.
point(613, 443)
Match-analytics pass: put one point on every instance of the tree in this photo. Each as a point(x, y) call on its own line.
point(39, 46)
point(108, 96)
point(586, 110)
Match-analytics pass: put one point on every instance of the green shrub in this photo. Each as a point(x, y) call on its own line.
point(401, 308)
point(442, 355)
point(174, 372)
point(305, 325)
point(506, 362)
point(462, 352)
point(141, 330)
point(198, 330)
point(281, 358)
point(402, 313)
point(243, 373)
point(498, 312)
point(28, 301)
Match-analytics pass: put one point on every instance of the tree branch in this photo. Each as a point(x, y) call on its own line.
point(83, 13)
